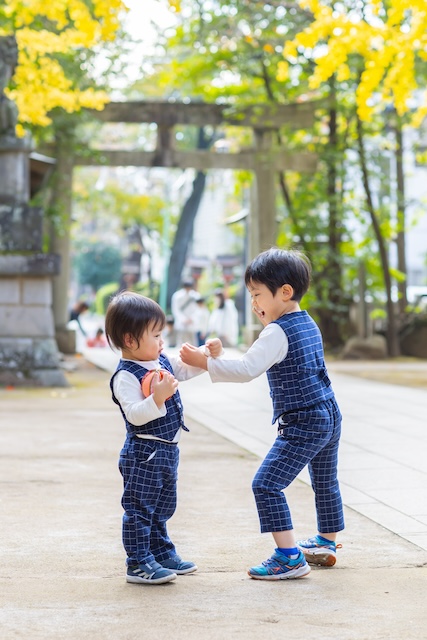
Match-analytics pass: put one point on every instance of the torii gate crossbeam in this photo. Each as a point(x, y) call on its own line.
point(265, 159)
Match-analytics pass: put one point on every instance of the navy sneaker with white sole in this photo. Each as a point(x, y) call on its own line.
point(179, 566)
point(149, 573)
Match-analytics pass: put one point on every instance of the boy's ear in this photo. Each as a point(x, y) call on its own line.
point(128, 340)
point(287, 292)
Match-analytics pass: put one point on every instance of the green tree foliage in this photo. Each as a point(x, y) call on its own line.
point(371, 54)
point(109, 212)
point(100, 203)
point(230, 51)
point(227, 50)
point(233, 50)
point(97, 264)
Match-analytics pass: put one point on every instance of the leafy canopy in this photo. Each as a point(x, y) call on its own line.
point(389, 36)
point(46, 33)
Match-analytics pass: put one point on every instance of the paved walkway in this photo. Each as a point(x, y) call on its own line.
point(383, 454)
point(62, 562)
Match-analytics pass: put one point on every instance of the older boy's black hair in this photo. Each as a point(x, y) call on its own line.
point(277, 267)
point(130, 313)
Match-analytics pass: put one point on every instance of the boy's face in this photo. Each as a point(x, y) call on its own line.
point(268, 307)
point(150, 345)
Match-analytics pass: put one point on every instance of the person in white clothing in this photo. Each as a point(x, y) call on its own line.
point(224, 320)
point(184, 311)
point(202, 321)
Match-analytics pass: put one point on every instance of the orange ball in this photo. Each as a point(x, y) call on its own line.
point(147, 381)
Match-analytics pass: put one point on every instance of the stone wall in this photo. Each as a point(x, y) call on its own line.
point(413, 341)
point(28, 349)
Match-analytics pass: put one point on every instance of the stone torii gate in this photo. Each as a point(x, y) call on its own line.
point(265, 158)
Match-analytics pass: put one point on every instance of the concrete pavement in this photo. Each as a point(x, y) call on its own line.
point(62, 562)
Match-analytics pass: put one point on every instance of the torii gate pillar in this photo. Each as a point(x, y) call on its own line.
point(262, 222)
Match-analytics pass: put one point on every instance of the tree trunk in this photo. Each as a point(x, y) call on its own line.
point(331, 320)
point(391, 333)
point(184, 234)
point(184, 231)
point(60, 205)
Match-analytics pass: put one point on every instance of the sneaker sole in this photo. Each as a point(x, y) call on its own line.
point(320, 557)
point(137, 580)
point(289, 575)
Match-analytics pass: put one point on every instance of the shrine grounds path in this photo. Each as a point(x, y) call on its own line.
point(62, 572)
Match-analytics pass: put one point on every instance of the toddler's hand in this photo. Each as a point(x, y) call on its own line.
point(165, 388)
point(193, 356)
point(214, 346)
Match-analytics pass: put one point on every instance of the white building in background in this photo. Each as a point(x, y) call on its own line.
point(212, 235)
point(416, 198)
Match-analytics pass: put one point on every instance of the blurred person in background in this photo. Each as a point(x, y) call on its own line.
point(80, 307)
point(224, 320)
point(184, 310)
point(98, 341)
point(202, 321)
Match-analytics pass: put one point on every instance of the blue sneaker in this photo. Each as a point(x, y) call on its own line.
point(317, 551)
point(280, 567)
point(179, 566)
point(149, 573)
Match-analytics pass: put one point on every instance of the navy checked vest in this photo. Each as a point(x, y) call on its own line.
point(164, 427)
point(301, 379)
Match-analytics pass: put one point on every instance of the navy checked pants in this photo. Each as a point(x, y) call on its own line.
point(308, 437)
point(149, 469)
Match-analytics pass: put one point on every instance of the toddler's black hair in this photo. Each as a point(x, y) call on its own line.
point(132, 314)
point(276, 267)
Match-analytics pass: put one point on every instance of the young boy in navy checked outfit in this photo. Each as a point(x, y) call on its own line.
point(149, 458)
point(290, 350)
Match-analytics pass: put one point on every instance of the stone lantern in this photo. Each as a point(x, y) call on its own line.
point(28, 350)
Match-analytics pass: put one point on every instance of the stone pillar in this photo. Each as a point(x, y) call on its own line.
point(263, 222)
point(14, 177)
point(28, 349)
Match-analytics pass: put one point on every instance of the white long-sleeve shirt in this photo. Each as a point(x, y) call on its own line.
point(138, 409)
point(270, 348)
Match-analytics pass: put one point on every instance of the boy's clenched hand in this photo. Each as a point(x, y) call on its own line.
point(214, 346)
point(193, 356)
